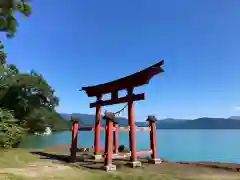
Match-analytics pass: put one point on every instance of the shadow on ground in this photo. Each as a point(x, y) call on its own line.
point(86, 161)
point(83, 161)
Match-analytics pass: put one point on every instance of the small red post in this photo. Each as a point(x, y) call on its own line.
point(97, 128)
point(153, 139)
point(109, 142)
point(115, 138)
point(74, 139)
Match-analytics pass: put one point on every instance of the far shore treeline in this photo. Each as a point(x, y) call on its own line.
point(27, 101)
point(199, 123)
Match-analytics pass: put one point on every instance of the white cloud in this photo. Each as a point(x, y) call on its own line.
point(237, 108)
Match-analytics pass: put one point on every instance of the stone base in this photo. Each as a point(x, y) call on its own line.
point(97, 157)
point(155, 161)
point(110, 167)
point(135, 164)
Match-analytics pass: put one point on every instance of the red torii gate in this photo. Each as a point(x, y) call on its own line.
point(127, 83)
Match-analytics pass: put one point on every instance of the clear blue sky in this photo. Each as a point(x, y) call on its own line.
point(80, 43)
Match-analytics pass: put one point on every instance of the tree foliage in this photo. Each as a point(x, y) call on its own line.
point(8, 9)
point(23, 92)
point(11, 129)
point(8, 20)
point(3, 55)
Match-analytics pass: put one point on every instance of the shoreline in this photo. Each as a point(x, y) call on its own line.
point(217, 165)
point(64, 148)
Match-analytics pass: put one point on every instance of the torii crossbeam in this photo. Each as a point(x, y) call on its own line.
point(126, 83)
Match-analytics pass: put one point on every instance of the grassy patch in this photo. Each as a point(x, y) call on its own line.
point(19, 164)
point(10, 177)
point(14, 158)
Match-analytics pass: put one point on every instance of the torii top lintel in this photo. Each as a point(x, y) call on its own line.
point(137, 79)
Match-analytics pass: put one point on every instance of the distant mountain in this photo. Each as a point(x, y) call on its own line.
point(89, 119)
point(200, 123)
point(234, 117)
point(142, 124)
point(171, 120)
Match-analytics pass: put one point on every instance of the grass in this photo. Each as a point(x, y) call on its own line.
point(19, 164)
point(16, 158)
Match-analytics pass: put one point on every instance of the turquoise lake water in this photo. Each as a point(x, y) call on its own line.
point(173, 145)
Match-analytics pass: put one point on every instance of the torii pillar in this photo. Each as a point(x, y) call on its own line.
point(115, 137)
point(110, 120)
point(132, 133)
point(97, 131)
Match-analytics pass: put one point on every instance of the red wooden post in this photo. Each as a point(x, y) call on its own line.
point(109, 142)
point(108, 146)
point(74, 139)
point(97, 130)
point(115, 138)
point(153, 139)
point(132, 132)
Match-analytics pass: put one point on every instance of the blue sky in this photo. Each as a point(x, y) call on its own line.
point(81, 43)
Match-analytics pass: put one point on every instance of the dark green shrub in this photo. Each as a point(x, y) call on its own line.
point(11, 131)
point(121, 148)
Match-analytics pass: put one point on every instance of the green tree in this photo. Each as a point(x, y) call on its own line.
point(8, 21)
point(8, 10)
point(11, 130)
point(2, 55)
point(23, 92)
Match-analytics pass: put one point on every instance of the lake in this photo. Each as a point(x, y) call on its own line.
point(173, 145)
